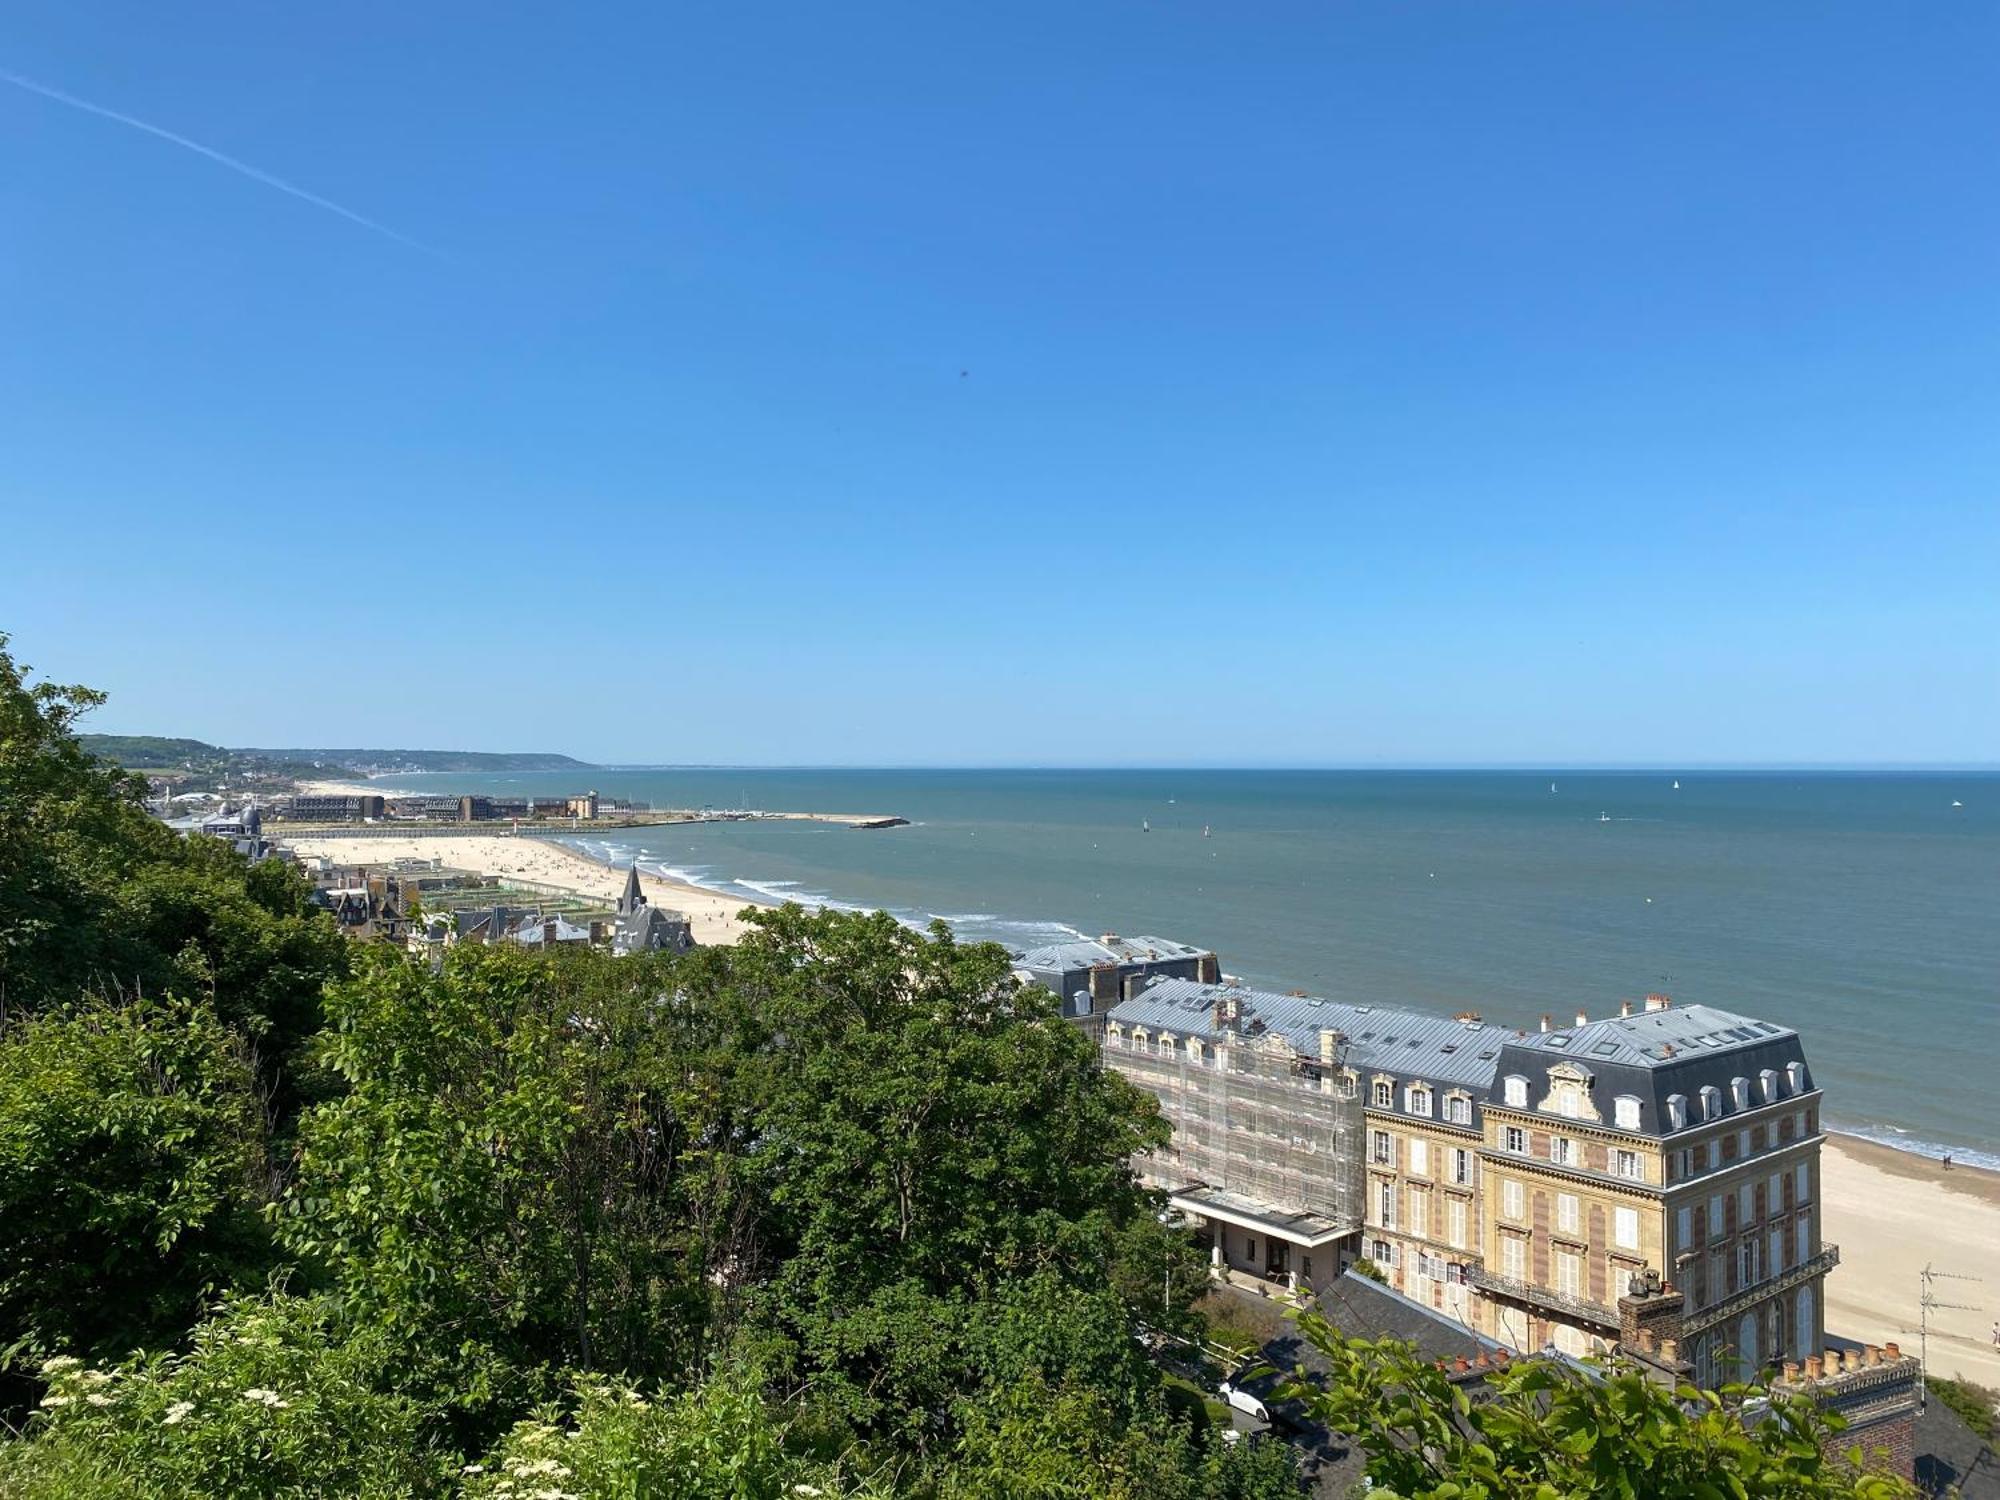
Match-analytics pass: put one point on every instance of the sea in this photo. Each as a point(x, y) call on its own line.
point(1862, 909)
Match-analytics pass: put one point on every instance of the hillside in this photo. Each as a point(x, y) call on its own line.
point(149, 752)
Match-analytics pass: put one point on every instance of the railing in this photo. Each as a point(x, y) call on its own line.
point(1546, 1298)
point(1770, 1286)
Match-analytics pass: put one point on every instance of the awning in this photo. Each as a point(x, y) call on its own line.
point(1306, 1230)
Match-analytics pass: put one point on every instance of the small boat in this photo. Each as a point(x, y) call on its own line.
point(1677, 786)
point(1604, 817)
point(1957, 804)
point(1144, 826)
point(1204, 827)
point(1552, 786)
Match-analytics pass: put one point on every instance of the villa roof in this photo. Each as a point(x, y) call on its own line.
point(1088, 953)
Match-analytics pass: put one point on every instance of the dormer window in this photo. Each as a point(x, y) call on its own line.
point(1517, 1091)
point(1739, 1090)
point(1767, 1085)
point(1795, 1075)
point(1625, 1111)
point(1194, 1049)
point(1457, 1109)
point(1417, 1099)
point(1677, 1111)
point(1711, 1102)
point(1385, 1094)
point(1114, 1035)
point(1166, 1044)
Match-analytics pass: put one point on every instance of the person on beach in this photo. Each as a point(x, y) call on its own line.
point(1947, 1161)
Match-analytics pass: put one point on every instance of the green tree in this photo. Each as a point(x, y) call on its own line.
point(511, 1182)
point(1545, 1430)
point(132, 1172)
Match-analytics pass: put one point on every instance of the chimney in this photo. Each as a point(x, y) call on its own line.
point(1791, 1372)
point(1461, 1364)
point(1329, 1046)
point(1582, 1019)
point(1546, 1020)
point(1874, 1354)
point(1624, 1009)
point(1645, 1341)
point(1670, 1351)
point(1850, 1361)
point(1812, 1367)
point(1892, 1350)
point(1657, 1002)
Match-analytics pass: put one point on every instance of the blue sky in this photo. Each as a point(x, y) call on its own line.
point(1318, 383)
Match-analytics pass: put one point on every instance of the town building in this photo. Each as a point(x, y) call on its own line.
point(1091, 975)
point(641, 927)
point(1523, 1183)
point(355, 808)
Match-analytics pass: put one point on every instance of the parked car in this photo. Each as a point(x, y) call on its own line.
point(1244, 1401)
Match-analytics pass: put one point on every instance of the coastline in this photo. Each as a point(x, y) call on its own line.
point(1892, 1212)
point(715, 916)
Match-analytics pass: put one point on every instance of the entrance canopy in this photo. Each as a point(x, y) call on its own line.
point(1308, 1231)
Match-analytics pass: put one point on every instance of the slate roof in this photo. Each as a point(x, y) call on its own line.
point(1087, 953)
point(1651, 1056)
point(1407, 1043)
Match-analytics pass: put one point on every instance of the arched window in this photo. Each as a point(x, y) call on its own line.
point(1194, 1049)
point(1677, 1111)
point(1625, 1111)
point(1517, 1091)
point(1746, 1344)
point(1114, 1035)
point(1804, 1335)
point(1166, 1044)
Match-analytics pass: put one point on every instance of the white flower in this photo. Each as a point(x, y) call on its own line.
point(270, 1398)
point(97, 1377)
point(473, 1469)
point(54, 1401)
point(60, 1363)
point(178, 1413)
point(96, 1400)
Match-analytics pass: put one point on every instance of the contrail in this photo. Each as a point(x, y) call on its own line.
point(256, 174)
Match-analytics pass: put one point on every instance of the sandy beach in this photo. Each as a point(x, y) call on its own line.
point(714, 916)
point(1892, 1213)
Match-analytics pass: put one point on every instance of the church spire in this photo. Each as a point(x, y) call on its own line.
point(634, 898)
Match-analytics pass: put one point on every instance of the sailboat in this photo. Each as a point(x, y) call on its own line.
point(1552, 786)
point(1604, 817)
point(1144, 826)
point(1204, 827)
point(1956, 803)
point(1677, 786)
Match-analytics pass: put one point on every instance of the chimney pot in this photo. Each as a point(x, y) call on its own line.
point(1624, 1009)
point(1874, 1354)
point(1851, 1360)
point(1645, 1340)
point(1657, 1002)
point(1791, 1371)
point(1892, 1350)
point(1460, 1365)
point(1582, 1019)
point(1670, 1351)
point(1546, 1020)
point(1812, 1367)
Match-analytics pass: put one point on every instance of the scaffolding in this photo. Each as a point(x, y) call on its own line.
point(1258, 1122)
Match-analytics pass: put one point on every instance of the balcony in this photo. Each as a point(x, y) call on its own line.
point(1544, 1299)
point(1770, 1286)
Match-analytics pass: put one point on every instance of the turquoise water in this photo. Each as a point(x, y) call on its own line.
point(1862, 909)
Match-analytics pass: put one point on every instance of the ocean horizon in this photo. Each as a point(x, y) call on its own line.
point(1856, 905)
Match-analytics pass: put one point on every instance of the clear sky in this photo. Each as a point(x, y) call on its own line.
point(1333, 382)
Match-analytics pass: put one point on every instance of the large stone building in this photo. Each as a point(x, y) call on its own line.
point(1090, 975)
point(1516, 1181)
